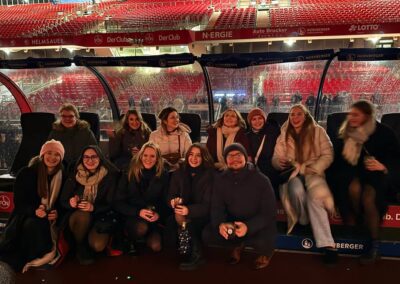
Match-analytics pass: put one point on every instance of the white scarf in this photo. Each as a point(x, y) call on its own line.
point(230, 134)
point(50, 257)
point(354, 139)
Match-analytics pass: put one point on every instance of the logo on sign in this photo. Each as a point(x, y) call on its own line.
point(363, 28)
point(162, 62)
point(302, 31)
point(4, 202)
point(149, 38)
point(98, 39)
point(307, 243)
point(351, 57)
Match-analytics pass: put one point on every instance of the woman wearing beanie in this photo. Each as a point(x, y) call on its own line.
point(229, 128)
point(141, 197)
point(129, 139)
point(172, 137)
point(305, 150)
point(88, 195)
point(189, 196)
point(243, 209)
point(366, 161)
point(73, 133)
point(30, 236)
point(262, 139)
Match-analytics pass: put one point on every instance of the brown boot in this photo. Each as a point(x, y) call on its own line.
point(261, 262)
point(235, 255)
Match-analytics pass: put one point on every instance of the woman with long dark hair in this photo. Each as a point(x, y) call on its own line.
point(30, 236)
point(141, 197)
point(190, 196)
point(172, 137)
point(366, 160)
point(305, 147)
point(129, 139)
point(88, 195)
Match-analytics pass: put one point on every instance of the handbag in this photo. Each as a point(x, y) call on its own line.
point(285, 175)
point(172, 158)
point(184, 240)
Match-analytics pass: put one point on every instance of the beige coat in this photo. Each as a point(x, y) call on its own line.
point(319, 159)
point(171, 143)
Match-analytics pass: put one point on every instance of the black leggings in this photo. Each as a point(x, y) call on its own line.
point(262, 241)
point(80, 224)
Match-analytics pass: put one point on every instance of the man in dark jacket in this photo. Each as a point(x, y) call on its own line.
point(243, 209)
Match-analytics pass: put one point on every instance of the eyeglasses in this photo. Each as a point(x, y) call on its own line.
point(93, 157)
point(67, 116)
point(233, 156)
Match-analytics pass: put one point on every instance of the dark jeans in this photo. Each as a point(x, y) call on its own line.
point(263, 241)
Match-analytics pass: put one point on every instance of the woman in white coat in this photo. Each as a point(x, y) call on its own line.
point(172, 137)
point(305, 151)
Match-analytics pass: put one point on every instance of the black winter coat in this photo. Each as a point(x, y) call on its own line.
point(383, 145)
point(104, 197)
point(271, 131)
point(131, 198)
point(245, 196)
point(26, 197)
point(195, 192)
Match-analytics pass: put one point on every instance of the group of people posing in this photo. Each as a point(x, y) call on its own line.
point(159, 188)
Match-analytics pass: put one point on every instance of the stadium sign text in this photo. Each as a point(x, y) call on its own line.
point(217, 35)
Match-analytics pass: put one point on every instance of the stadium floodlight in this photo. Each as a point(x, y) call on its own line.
point(290, 41)
point(352, 40)
point(374, 39)
point(6, 51)
point(270, 43)
point(309, 41)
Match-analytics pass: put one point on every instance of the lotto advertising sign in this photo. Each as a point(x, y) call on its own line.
point(6, 202)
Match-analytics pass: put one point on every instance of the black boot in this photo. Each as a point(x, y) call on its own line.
point(372, 255)
point(84, 254)
point(330, 256)
point(196, 257)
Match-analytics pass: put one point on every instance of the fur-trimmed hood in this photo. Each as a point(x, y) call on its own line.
point(80, 124)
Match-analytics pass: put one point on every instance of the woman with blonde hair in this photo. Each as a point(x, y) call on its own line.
point(141, 197)
point(128, 140)
point(304, 151)
point(229, 128)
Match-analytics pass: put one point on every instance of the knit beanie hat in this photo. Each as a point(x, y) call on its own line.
point(254, 112)
point(163, 115)
point(53, 145)
point(235, 147)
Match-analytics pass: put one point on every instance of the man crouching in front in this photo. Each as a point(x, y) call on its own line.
point(243, 209)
